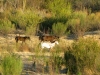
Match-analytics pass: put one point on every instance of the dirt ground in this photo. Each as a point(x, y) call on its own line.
point(33, 61)
point(33, 66)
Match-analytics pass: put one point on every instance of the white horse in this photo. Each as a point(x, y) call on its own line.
point(48, 45)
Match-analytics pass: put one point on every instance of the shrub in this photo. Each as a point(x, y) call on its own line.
point(26, 21)
point(94, 21)
point(78, 23)
point(11, 65)
point(32, 21)
point(56, 61)
point(82, 55)
point(6, 26)
point(55, 6)
point(59, 29)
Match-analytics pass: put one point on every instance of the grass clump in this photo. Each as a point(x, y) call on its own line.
point(11, 65)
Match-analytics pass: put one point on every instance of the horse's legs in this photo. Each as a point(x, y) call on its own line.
point(23, 41)
point(16, 41)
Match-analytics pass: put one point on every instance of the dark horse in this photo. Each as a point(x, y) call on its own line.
point(47, 37)
point(22, 38)
point(50, 38)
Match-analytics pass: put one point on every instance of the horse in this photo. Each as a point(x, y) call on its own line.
point(48, 45)
point(50, 38)
point(22, 38)
point(46, 37)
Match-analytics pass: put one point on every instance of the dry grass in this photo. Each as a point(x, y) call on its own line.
point(29, 49)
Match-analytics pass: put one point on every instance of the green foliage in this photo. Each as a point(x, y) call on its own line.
point(85, 4)
point(6, 26)
point(11, 65)
point(24, 14)
point(26, 20)
point(32, 22)
point(71, 63)
point(83, 53)
point(59, 28)
point(56, 61)
point(40, 4)
point(94, 21)
point(59, 8)
point(86, 50)
point(78, 22)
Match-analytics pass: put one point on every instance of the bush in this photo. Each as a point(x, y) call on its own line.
point(55, 6)
point(26, 21)
point(11, 65)
point(32, 21)
point(6, 26)
point(94, 21)
point(55, 61)
point(78, 23)
point(59, 29)
point(82, 55)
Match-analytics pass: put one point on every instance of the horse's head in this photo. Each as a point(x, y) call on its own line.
point(56, 42)
point(17, 38)
point(57, 37)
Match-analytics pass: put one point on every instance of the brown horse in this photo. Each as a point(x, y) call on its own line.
point(50, 38)
point(22, 38)
point(47, 37)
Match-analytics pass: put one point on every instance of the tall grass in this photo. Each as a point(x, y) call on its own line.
point(11, 65)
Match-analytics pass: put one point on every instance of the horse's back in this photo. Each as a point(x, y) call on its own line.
point(21, 38)
point(50, 38)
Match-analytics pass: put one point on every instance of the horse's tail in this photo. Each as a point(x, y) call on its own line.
point(16, 38)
